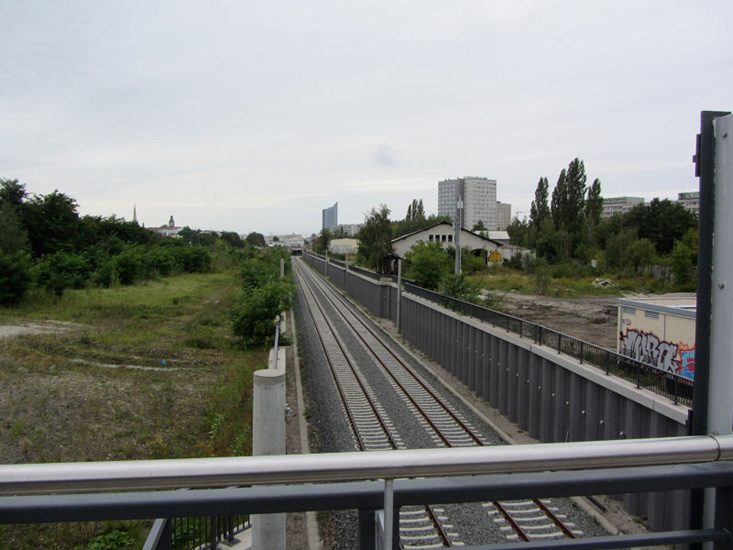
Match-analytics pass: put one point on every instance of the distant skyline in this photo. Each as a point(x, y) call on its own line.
point(257, 116)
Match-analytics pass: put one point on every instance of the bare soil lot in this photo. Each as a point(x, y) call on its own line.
point(590, 319)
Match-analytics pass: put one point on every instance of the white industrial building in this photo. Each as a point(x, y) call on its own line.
point(478, 196)
point(690, 200)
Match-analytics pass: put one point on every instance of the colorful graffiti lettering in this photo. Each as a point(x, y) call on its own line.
point(495, 256)
point(648, 348)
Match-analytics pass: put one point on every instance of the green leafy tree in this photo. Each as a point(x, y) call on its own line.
point(684, 261)
point(427, 264)
point(52, 223)
point(323, 240)
point(574, 205)
point(519, 232)
point(478, 227)
point(640, 254)
point(594, 207)
point(61, 270)
point(232, 239)
point(539, 211)
point(662, 222)
point(457, 286)
point(13, 237)
point(255, 239)
point(15, 276)
point(375, 238)
point(559, 200)
point(12, 192)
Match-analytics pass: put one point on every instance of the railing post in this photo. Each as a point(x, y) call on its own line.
point(582, 349)
point(388, 513)
point(399, 293)
point(367, 529)
point(214, 520)
point(559, 342)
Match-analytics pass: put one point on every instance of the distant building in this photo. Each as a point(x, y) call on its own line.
point(290, 240)
point(343, 246)
point(170, 230)
point(619, 205)
point(503, 216)
point(330, 217)
point(349, 229)
point(690, 200)
point(478, 196)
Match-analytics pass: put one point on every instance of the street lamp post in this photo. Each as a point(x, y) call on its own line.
point(457, 239)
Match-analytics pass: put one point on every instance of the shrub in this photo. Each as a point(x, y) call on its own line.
point(62, 270)
point(14, 277)
point(254, 314)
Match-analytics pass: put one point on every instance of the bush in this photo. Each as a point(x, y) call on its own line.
point(60, 271)
point(254, 314)
point(455, 285)
point(427, 264)
point(14, 277)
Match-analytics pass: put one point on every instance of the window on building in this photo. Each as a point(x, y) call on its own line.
point(651, 315)
point(430, 238)
point(629, 310)
point(442, 238)
point(450, 238)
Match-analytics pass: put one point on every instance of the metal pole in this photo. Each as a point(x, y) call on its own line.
point(388, 513)
point(720, 411)
point(399, 292)
point(705, 170)
point(457, 238)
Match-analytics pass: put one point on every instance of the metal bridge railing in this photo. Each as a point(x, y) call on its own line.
point(33, 493)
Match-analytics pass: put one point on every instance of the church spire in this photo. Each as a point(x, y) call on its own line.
point(134, 213)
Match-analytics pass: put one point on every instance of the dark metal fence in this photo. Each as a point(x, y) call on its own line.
point(644, 375)
point(203, 532)
point(673, 386)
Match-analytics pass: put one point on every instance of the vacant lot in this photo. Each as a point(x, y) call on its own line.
point(147, 371)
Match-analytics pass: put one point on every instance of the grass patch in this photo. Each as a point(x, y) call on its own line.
point(135, 372)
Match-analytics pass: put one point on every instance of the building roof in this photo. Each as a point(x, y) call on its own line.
point(463, 230)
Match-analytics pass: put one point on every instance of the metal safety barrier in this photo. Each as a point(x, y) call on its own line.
point(95, 491)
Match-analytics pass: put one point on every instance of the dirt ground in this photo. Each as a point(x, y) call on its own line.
point(590, 319)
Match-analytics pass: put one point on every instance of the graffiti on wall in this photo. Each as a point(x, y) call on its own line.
point(667, 356)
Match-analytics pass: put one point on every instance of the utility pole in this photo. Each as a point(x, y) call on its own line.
point(458, 223)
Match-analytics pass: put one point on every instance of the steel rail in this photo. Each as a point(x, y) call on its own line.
point(414, 376)
point(372, 405)
point(343, 306)
point(307, 282)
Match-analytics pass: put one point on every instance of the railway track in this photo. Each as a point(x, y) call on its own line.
point(419, 526)
point(527, 520)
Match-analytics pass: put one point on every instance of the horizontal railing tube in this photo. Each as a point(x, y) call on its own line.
point(354, 466)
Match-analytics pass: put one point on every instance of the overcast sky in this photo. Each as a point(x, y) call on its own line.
point(253, 116)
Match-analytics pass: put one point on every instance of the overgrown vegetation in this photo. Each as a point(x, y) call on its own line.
point(45, 244)
point(264, 295)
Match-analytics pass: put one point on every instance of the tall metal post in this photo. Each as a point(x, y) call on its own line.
point(705, 170)
point(457, 238)
point(399, 293)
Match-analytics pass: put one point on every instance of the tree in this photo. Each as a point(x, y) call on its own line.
point(13, 237)
point(662, 222)
point(478, 226)
point(255, 239)
point(540, 209)
point(323, 240)
point(232, 239)
point(14, 277)
point(427, 264)
point(640, 254)
point(375, 238)
point(518, 232)
point(684, 261)
point(52, 223)
point(594, 206)
point(559, 199)
point(12, 192)
point(574, 205)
